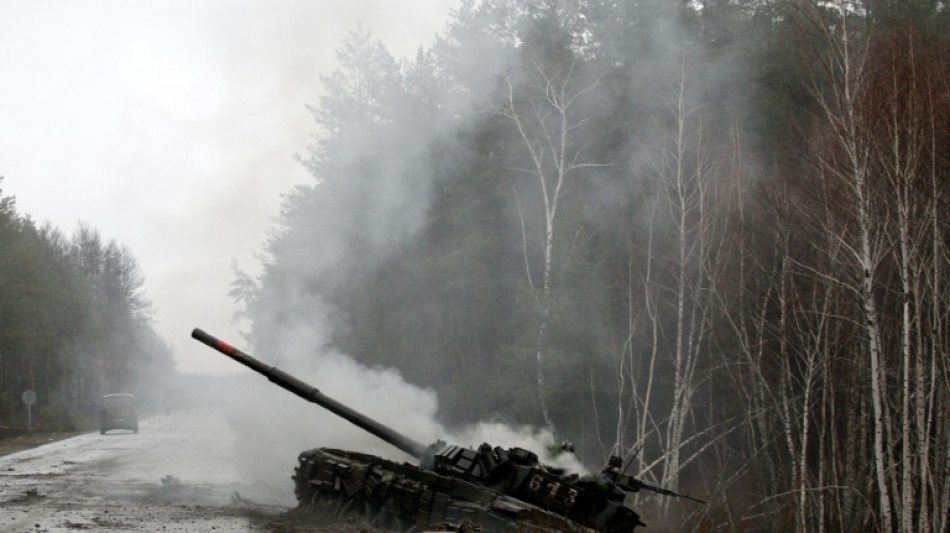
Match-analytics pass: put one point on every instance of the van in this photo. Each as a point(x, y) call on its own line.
point(118, 412)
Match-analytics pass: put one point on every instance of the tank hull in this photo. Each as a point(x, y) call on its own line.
point(488, 489)
point(403, 496)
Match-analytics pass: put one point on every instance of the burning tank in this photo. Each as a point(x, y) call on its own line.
point(488, 489)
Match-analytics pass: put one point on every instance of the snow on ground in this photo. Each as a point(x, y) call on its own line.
point(177, 474)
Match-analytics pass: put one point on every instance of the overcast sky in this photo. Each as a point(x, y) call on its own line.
point(170, 127)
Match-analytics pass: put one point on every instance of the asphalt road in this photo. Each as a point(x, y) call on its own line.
point(177, 474)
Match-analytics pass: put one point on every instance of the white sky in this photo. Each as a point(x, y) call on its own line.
point(170, 126)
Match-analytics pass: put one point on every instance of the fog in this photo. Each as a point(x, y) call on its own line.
point(174, 130)
point(634, 225)
point(366, 201)
point(171, 127)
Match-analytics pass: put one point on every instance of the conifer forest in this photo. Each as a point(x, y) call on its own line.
point(75, 323)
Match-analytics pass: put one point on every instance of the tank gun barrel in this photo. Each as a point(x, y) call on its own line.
point(312, 394)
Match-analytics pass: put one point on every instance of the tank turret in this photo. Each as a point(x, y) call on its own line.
point(489, 488)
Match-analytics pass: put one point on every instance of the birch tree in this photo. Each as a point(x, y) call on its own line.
point(876, 150)
point(840, 111)
point(545, 101)
point(901, 90)
point(685, 170)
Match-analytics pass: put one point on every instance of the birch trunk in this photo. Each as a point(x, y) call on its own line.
point(545, 125)
point(842, 114)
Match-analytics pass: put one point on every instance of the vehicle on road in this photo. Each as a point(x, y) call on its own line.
point(118, 412)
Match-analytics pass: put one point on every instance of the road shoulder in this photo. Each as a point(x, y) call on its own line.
point(28, 441)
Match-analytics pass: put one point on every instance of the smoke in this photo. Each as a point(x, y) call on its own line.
point(380, 201)
point(368, 201)
point(272, 426)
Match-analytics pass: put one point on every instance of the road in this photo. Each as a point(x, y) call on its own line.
point(177, 474)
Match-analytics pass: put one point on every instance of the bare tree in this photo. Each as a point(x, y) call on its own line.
point(685, 170)
point(875, 147)
point(840, 110)
point(546, 107)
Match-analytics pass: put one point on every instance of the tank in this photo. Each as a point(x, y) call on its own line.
point(454, 488)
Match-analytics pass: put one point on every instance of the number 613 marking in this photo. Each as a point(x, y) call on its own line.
point(536, 484)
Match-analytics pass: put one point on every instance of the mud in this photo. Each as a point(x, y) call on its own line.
point(177, 474)
point(12, 442)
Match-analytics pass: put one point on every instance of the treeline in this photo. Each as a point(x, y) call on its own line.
point(74, 324)
point(710, 237)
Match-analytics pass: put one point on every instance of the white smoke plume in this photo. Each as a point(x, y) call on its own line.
point(273, 426)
